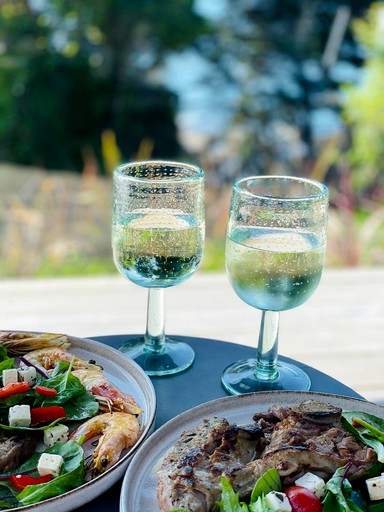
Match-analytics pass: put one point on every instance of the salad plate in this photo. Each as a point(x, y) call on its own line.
point(128, 377)
point(139, 489)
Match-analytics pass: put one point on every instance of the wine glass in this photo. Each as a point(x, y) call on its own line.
point(275, 250)
point(158, 231)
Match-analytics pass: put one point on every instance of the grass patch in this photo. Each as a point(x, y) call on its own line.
point(76, 265)
point(214, 256)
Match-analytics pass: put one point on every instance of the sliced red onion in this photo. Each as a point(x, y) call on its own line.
point(28, 363)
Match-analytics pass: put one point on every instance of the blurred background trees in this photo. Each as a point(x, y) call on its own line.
point(71, 71)
point(363, 107)
point(286, 61)
point(238, 86)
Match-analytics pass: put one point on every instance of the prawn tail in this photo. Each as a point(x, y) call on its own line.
point(113, 400)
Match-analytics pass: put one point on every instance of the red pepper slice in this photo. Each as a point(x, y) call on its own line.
point(14, 388)
point(43, 390)
point(21, 481)
point(40, 415)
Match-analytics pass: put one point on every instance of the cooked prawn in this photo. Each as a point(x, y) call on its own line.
point(91, 376)
point(19, 343)
point(47, 358)
point(119, 430)
point(108, 396)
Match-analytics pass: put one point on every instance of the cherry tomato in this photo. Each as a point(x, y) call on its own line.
point(303, 500)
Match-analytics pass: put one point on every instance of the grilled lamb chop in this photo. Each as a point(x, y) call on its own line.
point(315, 430)
point(189, 477)
point(306, 437)
point(15, 449)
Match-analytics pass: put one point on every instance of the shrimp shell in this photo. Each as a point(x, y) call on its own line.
point(120, 431)
point(19, 343)
point(105, 392)
point(47, 358)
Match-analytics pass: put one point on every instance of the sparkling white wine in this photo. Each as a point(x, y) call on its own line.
point(274, 269)
point(157, 248)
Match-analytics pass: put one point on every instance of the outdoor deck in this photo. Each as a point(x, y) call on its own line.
point(340, 331)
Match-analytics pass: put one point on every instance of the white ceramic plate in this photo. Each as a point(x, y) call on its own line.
point(128, 377)
point(139, 485)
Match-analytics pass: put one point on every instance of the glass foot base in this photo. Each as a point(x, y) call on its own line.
point(177, 356)
point(239, 378)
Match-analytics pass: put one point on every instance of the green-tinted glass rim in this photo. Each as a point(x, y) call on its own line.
point(322, 190)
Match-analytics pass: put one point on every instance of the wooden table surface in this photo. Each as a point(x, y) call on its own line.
point(339, 331)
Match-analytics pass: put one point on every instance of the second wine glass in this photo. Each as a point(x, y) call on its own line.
point(158, 232)
point(275, 250)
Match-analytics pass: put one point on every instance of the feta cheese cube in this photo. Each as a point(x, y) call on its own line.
point(28, 374)
point(313, 483)
point(10, 376)
point(278, 502)
point(50, 464)
point(375, 488)
point(19, 416)
point(56, 434)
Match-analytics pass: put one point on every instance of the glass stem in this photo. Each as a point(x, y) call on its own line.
point(267, 350)
point(154, 335)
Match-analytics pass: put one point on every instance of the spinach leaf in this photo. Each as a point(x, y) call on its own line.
point(372, 435)
point(376, 507)
point(358, 499)
point(7, 496)
point(67, 387)
point(3, 353)
point(61, 367)
point(31, 429)
point(10, 401)
point(72, 475)
point(6, 363)
point(79, 403)
point(81, 407)
point(269, 481)
point(229, 499)
point(339, 495)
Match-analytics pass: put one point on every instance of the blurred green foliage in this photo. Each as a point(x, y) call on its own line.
point(214, 255)
point(72, 69)
point(363, 107)
point(273, 54)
